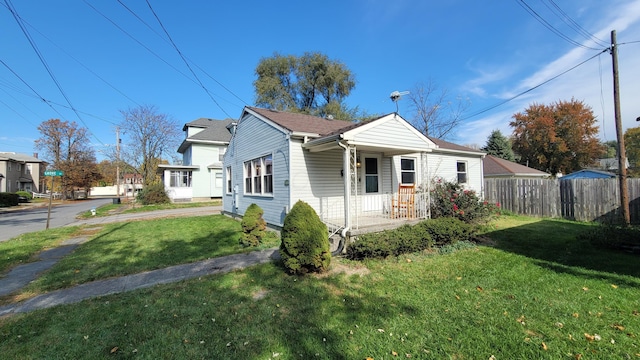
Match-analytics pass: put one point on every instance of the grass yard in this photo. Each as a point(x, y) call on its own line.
point(127, 208)
point(533, 293)
point(127, 248)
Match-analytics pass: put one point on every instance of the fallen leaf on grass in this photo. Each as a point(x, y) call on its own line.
point(618, 327)
point(544, 347)
point(457, 297)
point(479, 288)
point(614, 286)
point(394, 353)
point(578, 356)
point(381, 330)
point(520, 319)
point(575, 315)
point(585, 288)
point(113, 350)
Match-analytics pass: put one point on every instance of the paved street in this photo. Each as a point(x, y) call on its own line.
point(28, 218)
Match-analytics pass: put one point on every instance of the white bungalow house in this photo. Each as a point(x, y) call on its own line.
point(200, 175)
point(349, 173)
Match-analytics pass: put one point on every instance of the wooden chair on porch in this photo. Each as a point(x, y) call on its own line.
point(403, 203)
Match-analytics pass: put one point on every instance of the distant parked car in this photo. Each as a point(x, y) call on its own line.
point(23, 199)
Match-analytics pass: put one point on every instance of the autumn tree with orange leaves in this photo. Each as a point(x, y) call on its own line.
point(556, 138)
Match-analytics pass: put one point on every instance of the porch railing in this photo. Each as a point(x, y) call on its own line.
point(372, 210)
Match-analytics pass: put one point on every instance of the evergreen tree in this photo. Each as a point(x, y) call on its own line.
point(499, 146)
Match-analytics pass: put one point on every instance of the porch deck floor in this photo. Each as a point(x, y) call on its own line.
point(364, 224)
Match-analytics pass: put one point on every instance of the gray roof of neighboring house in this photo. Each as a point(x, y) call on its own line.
point(496, 167)
point(214, 130)
point(19, 157)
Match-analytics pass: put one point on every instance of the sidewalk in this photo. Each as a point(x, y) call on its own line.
point(142, 280)
point(21, 275)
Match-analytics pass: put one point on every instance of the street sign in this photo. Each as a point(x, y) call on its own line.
point(53, 173)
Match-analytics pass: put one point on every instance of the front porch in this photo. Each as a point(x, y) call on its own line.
point(374, 213)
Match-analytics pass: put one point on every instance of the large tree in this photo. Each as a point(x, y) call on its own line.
point(311, 84)
point(66, 147)
point(632, 146)
point(499, 146)
point(149, 136)
point(556, 138)
point(435, 112)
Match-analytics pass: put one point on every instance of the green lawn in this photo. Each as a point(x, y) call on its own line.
point(533, 293)
point(127, 208)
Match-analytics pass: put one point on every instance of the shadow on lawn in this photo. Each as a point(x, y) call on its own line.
point(556, 246)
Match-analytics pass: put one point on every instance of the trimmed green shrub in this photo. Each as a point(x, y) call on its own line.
point(253, 226)
point(8, 199)
point(153, 194)
point(26, 194)
point(402, 240)
point(305, 241)
point(447, 230)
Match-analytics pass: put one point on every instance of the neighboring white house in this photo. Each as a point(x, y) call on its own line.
point(199, 177)
point(349, 173)
point(20, 172)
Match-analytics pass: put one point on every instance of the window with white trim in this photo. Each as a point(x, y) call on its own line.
point(461, 168)
point(179, 178)
point(258, 176)
point(408, 171)
point(371, 175)
point(229, 187)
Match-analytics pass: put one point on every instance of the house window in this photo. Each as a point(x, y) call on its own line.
point(268, 174)
point(258, 176)
point(229, 187)
point(247, 177)
point(371, 175)
point(408, 171)
point(462, 172)
point(180, 178)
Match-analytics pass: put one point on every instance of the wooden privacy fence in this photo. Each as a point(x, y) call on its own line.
point(579, 199)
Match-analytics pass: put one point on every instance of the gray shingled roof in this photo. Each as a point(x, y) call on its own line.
point(451, 146)
point(19, 157)
point(301, 122)
point(214, 130)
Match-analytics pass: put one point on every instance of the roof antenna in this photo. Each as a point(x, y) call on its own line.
point(395, 96)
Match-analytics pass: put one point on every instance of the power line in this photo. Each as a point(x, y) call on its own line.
point(185, 60)
point(45, 64)
point(78, 61)
point(574, 25)
point(531, 89)
point(196, 65)
point(544, 22)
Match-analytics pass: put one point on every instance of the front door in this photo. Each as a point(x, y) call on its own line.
point(370, 178)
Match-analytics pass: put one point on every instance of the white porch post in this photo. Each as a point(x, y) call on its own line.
point(346, 166)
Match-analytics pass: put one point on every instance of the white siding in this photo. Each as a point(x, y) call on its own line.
point(391, 133)
point(316, 178)
point(443, 165)
point(253, 139)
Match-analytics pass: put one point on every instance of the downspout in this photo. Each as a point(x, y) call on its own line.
point(347, 203)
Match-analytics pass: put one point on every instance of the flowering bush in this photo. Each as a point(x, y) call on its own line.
point(449, 199)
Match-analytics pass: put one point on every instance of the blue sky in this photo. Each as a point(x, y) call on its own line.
point(485, 52)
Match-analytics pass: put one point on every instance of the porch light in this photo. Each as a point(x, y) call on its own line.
point(358, 163)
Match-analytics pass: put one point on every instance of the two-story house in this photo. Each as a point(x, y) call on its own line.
point(199, 177)
point(19, 172)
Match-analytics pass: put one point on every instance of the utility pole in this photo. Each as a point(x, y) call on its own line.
point(118, 164)
point(622, 156)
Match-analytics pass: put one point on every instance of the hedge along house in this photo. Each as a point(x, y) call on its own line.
point(200, 175)
point(349, 173)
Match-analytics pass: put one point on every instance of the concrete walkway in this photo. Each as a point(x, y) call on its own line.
point(22, 275)
point(142, 280)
